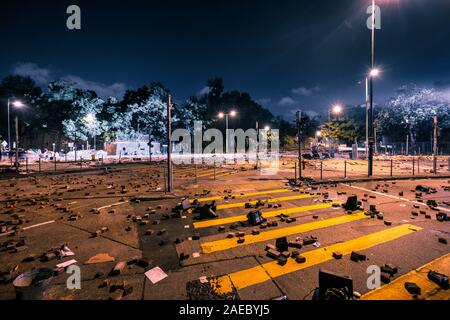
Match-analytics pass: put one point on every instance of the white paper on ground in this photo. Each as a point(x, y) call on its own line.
point(155, 275)
point(66, 264)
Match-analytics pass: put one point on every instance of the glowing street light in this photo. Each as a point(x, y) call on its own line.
point(17, 104)
point(318, 133)
point(374, 72)
point(267, 128)
point(221, 115)
point(337, 109)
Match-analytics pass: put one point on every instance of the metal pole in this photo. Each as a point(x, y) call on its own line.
point(9, 133)
point(54, 158)
point(299, 138)
point(17, 144)
point(257, 145)
point(448, 164)
point(414, 166)
point(367, 117)
point(321, 170)
point(169, 145)
point(226, 133)
point(435, 146)
point(39, 164)
point(26, 164)
point(345, 169)
point(214, 169)
point(370, 113)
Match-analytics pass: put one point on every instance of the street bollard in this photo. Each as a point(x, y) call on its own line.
point(26, 165)
point(39, 164)
point(321, 170)
point(345, 169)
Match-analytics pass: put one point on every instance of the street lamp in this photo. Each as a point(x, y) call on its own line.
point(221, 115)
point(336, 109)
point(90, 119)
point(19, 105)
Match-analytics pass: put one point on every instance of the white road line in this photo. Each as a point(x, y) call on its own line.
point(113, 205)
point(394, 197)
point(29, 227)
point(38, 225)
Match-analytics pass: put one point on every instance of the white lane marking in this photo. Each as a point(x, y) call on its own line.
point(29, 227)
point(113, 205)
point(394, 197)
point(38, 225)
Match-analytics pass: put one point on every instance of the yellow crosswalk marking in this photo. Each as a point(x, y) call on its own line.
point(272, 200)
point(210, 174)
point(430, 290)
point(226, 244)
point(245, 195)
point(261, 273)
point(269, 214)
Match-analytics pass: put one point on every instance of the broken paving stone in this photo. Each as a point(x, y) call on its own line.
point(356, 257)
point(100, 258)
point(337, 255)
point(389, 269)
point(274, 254)
point(300, 259)
point(295, 244)
point(443, 240)
point(118, 268)
point(385, 278)
point(117, 294)
point(161, 232)
point(282, 260)
point(241, 240)
point(413, 288)
point(149, 232)
point(387, 223)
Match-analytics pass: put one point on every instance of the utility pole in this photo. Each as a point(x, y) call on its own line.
point(17, 143)
point(257, 145)
point(169, 145)
point(435, 146)
point(370, 111)
point(299, 140)
point(9, 133)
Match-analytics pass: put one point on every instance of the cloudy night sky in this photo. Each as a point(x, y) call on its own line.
point(286, 54)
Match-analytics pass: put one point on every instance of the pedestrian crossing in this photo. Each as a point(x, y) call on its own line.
point(225, 244)
point(226, 284)
point(268, 214)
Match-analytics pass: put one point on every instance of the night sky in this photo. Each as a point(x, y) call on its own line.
point(286, 54)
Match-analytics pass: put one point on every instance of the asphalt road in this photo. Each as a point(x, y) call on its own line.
point(49, 211)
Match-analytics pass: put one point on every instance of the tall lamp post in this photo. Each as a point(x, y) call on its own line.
point(222, 115)
point(16, 104)
point(336, 110)
point(369, 117)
